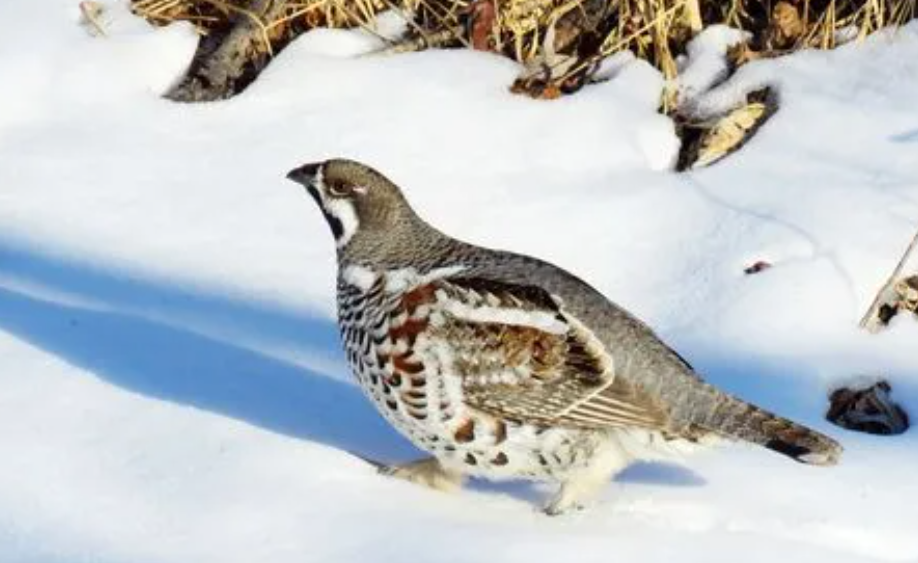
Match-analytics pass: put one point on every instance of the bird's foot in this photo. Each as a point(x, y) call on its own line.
point(555, 508)
point(428, 472)
point(559, 505)
point(575, 494)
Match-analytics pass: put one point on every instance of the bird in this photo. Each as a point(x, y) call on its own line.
point(504, 366)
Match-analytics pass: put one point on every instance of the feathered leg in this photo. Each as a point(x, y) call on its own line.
point(583, 486)
point(428, 472)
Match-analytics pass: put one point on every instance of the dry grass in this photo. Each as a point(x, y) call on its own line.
point(210, 15)
point(655, 30)
point(562, 42)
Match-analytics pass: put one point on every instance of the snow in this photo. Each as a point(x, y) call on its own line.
point(173, 385)
point(705, 62)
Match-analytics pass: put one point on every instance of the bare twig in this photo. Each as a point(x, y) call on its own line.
point(421, 43)
point(868, 321)
point(91, 12)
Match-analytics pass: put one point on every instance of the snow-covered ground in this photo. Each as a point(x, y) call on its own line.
point(172, 389)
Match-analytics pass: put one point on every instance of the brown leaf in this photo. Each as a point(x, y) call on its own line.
point(482, 17)
point(786, 26)
point(729, 132)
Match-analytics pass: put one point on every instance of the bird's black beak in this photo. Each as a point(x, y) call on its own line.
point(304, 174)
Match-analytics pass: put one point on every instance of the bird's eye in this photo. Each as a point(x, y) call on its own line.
point(339, 189)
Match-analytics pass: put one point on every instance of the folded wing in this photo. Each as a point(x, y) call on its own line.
point(522, 357)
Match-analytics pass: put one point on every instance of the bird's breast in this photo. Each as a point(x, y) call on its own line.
point(393, 344)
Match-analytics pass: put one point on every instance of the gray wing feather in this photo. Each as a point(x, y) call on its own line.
point(525, 372)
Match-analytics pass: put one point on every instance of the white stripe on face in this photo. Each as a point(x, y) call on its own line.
point(339, 212)
point(343, 211)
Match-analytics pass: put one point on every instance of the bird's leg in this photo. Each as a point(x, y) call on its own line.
point(584, 485)
point(428, 472)
point(575, 493)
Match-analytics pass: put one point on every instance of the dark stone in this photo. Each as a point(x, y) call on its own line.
point(758, 266)
point(867, 409)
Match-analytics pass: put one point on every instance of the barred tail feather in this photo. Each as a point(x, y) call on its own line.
point(737, 419)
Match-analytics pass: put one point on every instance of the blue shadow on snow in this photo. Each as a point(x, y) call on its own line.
point(145, 336)
point(161, 358)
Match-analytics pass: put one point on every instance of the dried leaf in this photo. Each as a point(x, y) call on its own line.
point(729, 132)
point(898, 293)
point(92, 18)
point(907, 290)
point(786, 26)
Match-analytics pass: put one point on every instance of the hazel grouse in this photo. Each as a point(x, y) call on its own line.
point(504, 366)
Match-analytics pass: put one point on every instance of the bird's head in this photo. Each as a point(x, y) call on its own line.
point(357, 201)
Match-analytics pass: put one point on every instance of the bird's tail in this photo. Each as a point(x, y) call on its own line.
point(737, 419)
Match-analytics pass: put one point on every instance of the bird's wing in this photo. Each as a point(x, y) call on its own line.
point(521, 356)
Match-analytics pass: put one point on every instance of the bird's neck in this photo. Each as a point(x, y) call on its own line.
point(407, 242)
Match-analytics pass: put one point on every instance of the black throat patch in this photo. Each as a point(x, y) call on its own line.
point(334, 223)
